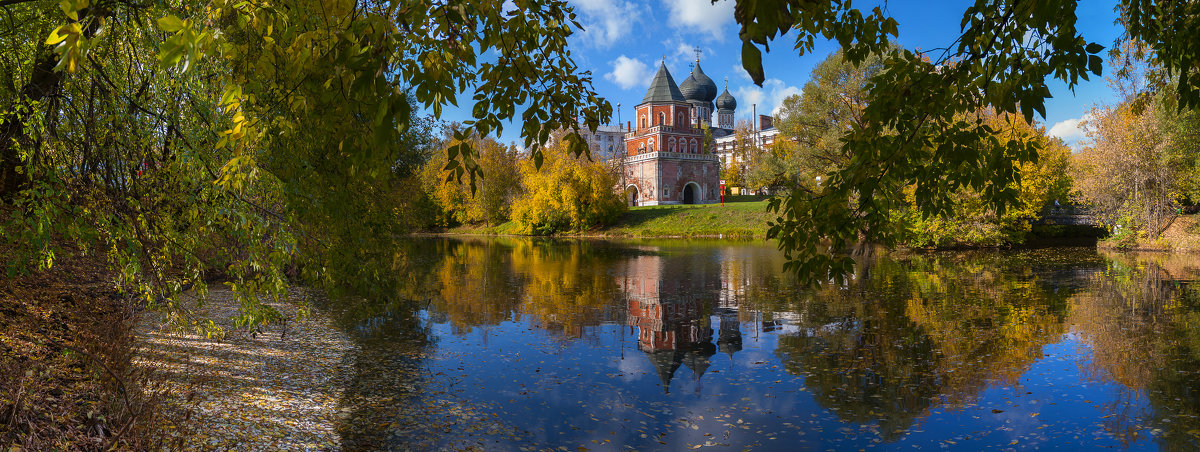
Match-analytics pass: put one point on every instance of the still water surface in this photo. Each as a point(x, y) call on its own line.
point(515, 344)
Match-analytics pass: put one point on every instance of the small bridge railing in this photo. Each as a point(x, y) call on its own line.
point(1068, 215)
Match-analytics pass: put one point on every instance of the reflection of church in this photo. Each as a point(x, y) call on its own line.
point(673, 318)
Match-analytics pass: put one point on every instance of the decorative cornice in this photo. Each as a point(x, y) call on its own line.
point(666, 155)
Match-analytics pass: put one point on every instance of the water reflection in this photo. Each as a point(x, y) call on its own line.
point(508, 343)
point(1141, 322)
point(923, 332)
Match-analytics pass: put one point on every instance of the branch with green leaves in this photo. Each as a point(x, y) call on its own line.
point(914, 131)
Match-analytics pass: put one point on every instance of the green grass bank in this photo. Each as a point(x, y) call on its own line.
point(739, 217)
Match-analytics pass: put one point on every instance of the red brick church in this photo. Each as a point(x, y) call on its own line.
point(666, 159)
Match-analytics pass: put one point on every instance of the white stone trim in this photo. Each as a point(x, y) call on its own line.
point(671, 156)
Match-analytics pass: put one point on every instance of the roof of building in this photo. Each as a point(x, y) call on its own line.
point(663, 88)
point(690, 90)
point(702, 81)
point(726, 101)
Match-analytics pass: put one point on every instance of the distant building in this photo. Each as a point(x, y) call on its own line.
point(762, 135)
point(606, 143)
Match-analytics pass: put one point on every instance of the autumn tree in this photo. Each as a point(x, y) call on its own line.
point(489, 201)
point(832, 102)
point(567, 193)
point(1125, 173)
point(975, 222)
point(246, 139)
point(913, 132)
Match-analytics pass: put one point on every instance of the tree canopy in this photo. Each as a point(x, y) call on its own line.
point(258, 141)
point(913, 132)
point(815, 120)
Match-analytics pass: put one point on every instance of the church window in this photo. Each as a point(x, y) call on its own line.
point(662, 118)
point(671, 144)
point(695, 147)
point(650, 146)
point(643, 122)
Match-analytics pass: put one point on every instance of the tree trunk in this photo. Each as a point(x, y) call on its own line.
point(44, 82)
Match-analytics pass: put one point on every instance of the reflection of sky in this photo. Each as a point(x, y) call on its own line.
point(582, 391)
point(574, 394)
point(1052, 407)
point(595, 387)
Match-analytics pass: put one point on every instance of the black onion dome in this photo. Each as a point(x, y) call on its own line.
point(691, 90)
point(726, 101)
point(710, 87)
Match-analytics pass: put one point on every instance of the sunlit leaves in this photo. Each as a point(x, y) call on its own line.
point(762, 21)
point(910, 133)
point(185, 46)
point(68, 43)
point(460, 202)
point(170, 24)
point(1171, 28)
point(565, 193)
point(1133, 169)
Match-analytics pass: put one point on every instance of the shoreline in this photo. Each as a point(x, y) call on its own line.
point(587, 236)
point(1039, 242)
point(278, 388)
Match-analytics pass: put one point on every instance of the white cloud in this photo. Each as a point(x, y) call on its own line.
point(681, 54)
point(684, 52)
point(605, 21)
point(701, 16)
point(769, 98)
point(741, 73)
point(629, 72)
point(1070, 130)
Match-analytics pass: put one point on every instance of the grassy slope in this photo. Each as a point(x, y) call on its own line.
point(1181, 235)
point(734, 219)
point(741, 216)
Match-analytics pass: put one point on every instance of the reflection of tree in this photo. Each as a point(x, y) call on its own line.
point(989, 321)
point(865, 366)
point(562, 285)
point(568, 285)
point(384, 378)
point(473, 285)
point(1143, 325)
point(387, 384)
point(922, 331)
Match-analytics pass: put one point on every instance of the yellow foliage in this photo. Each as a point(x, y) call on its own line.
point(1126, 174)
point(567, 193)
point(490, 200)
point(974, 221)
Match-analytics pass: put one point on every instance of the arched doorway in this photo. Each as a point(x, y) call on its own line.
point(631, 195)
point(691, 193)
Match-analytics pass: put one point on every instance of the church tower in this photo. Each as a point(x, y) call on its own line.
point(699, 91)
point(726, 104)
point(666, 160)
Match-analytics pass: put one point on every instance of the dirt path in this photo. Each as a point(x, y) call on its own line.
point(275, 390)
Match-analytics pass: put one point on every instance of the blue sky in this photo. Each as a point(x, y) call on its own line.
point(623, 42)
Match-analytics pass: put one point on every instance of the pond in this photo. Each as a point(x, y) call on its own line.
point(521, 344)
